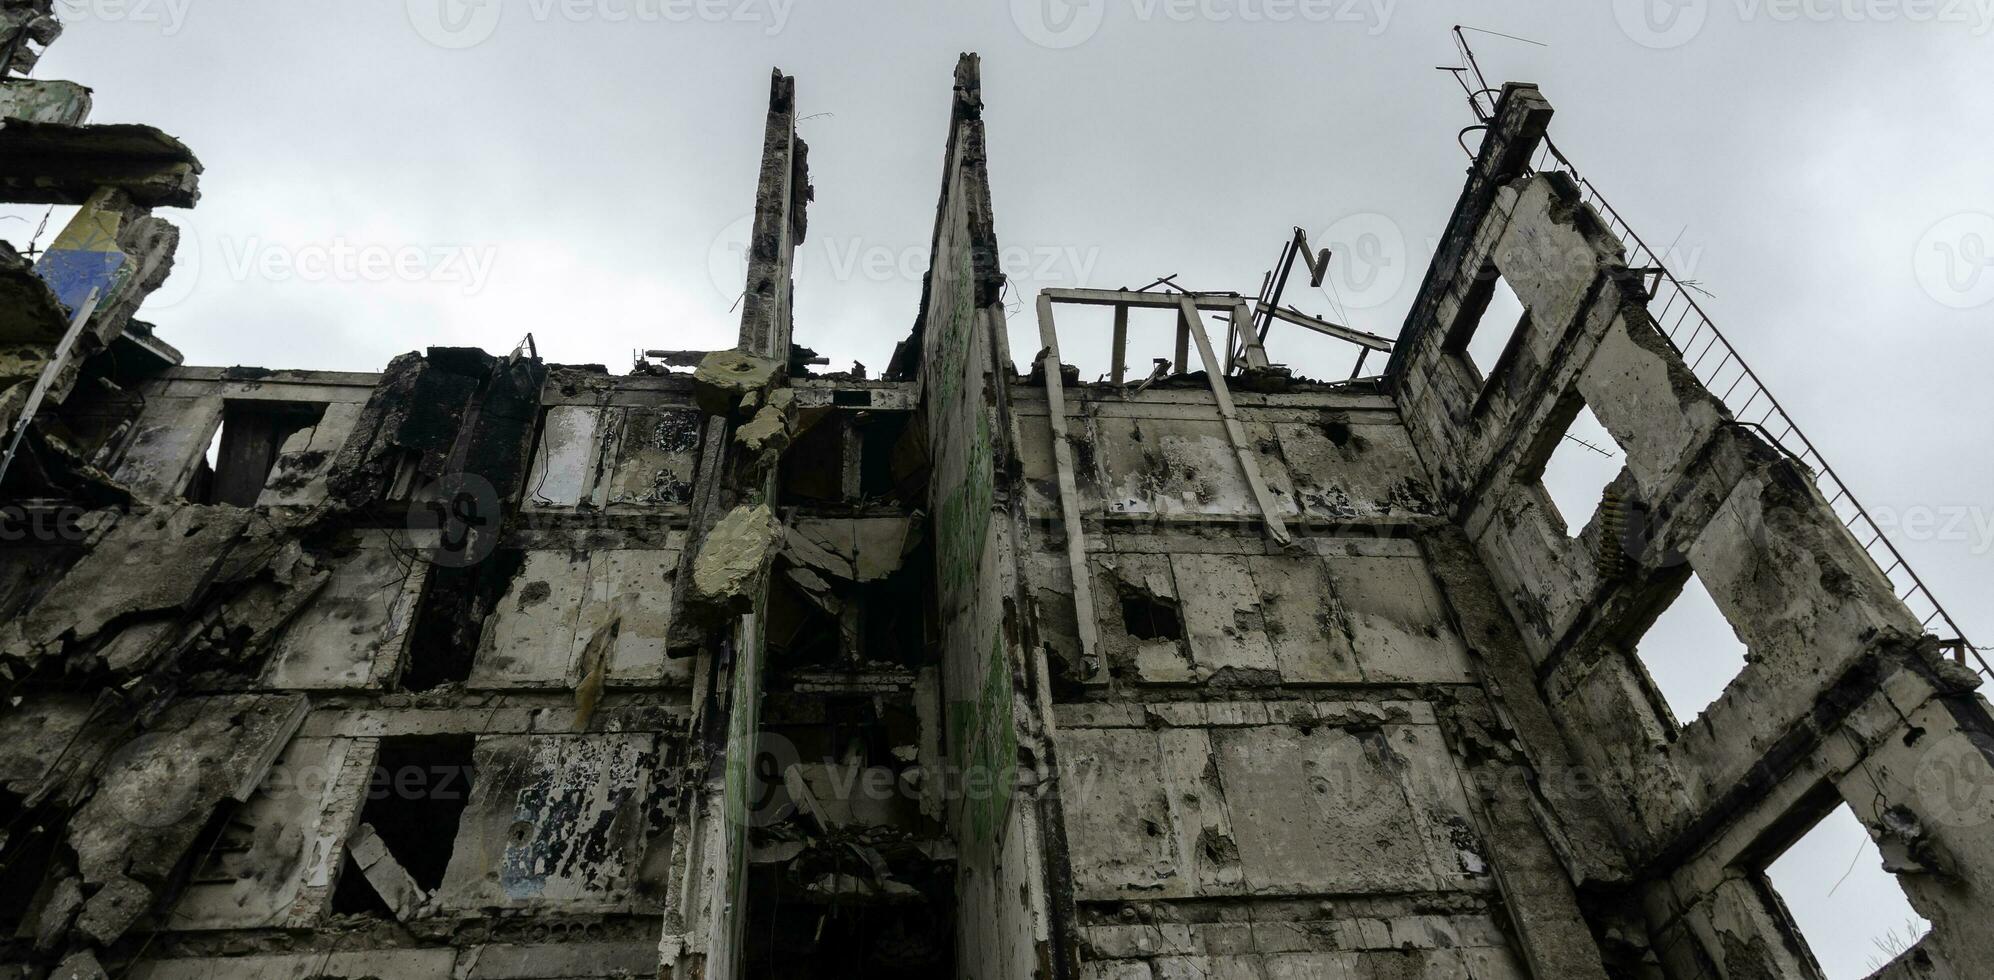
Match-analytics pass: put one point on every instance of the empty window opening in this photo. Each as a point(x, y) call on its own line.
point(896, 614)
point(450, 620)
point(1691, 652)
point(813, 467)
point(802, 620)
point(1490, 319)
point(816, 620)
point(1148, 616)
point(892, 462)
point(1851, 911)
point(245, 448)
point(1086, 340)
point(1585, 460)
point(853, 457)
point(852, 397)
point(1154, 342)
point(417, 795)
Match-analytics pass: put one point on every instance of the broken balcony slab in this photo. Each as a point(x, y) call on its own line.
point(726, 377)
point(35, 100)
point(53, 163)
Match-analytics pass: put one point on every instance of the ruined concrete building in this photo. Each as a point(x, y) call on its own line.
point(482, 667)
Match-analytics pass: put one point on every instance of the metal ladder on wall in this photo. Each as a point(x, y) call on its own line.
point(1716, 364)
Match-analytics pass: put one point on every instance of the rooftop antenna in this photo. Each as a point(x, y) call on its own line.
point(1470, 66)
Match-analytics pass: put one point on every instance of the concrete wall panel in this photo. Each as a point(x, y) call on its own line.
point(352, 636)
point(556, 821)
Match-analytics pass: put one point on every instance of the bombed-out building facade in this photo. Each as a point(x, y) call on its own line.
point(483, 667)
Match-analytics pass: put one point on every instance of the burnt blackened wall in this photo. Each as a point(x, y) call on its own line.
point(446, 616)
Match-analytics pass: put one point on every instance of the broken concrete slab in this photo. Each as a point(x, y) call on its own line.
point(80, 965)
point(54, 163)
point(156, 793)
point(298, 475)
point(58, 910)
point(768, 433)
point(725, 377)
point(735, 556)
point(284, 846)
point(865, 549)
point(38, 100)
point(354, 634)
point(117, 904)
point(101, 592)
point(384, 874)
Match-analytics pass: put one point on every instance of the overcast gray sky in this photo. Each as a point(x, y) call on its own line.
point(582, 169)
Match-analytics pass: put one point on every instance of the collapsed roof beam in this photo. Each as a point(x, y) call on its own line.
point(1370, 341)
point(1215, 302)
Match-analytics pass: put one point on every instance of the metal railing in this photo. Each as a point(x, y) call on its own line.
point(1716, 364)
